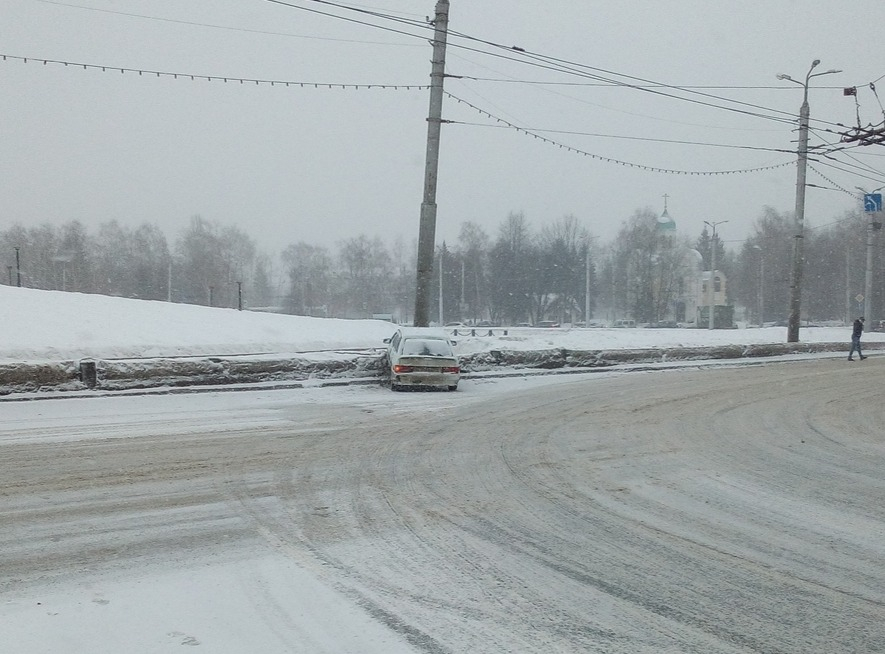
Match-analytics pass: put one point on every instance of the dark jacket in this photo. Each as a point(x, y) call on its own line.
point(858, 328)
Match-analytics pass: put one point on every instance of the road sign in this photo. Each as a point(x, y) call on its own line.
point(858, 297)
point(872, 202)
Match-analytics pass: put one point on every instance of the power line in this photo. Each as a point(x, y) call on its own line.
point(645, 85)
point(630, 138)
point(711, 87)
point(637, 83)
point(520, 55)
point(855, 173)
point(620, 162)
point(220, 27)
point(337, 85)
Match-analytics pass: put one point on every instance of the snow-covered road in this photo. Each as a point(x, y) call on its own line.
point(720, 510)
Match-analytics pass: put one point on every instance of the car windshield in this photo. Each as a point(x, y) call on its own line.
point(426, 347)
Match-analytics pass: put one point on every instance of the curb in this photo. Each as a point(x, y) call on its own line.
point(94, 377)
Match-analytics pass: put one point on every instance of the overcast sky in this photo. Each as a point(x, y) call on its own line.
point(294, 163)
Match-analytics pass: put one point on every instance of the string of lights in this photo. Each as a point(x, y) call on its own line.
point(561, 66)
point(628, 164)
point(213, 78)
point(356, 86)
point(835, 186)
point(637, 83)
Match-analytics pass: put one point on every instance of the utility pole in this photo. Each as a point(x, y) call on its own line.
point(761, 284)
point(18, 269)
point(868, 281)
point(848, 310)
point(872, 205)
point(463, 306)
point(441, 322)
point(427, 228)
point(801, 168)
point(713, 243)
point(587, 288)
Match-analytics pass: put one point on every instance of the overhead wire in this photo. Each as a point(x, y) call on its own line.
point(629, 138)
point(535, 59)
point(621, 162)
point(526, 57)
point(217, 26)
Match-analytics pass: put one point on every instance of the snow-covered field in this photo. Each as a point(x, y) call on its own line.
point(52, 325)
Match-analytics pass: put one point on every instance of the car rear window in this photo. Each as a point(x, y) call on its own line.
point(426, 347)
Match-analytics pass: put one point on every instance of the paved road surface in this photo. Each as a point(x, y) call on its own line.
point(697, 511)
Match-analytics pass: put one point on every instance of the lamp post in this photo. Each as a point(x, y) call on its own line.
point(64, 258)
point(712, 290)
point(801, 165)
point(761, 284)
point(18, 268)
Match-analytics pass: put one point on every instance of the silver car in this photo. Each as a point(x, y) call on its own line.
point(422, 357)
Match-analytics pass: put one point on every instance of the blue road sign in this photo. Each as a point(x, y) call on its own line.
point(872, 202)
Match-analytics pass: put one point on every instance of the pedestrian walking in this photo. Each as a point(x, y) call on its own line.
point(855, 340)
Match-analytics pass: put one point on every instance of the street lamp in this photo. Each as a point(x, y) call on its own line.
point(64, 258)
point(801, 165)
point(712, 290)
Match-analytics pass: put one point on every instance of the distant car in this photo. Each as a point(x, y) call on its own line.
point(422, 357)
point(523, 324)
point(548, 324)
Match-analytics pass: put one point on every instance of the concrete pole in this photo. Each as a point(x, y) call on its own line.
point(868, 282)
point(801, 166)
point(761, 284)
point(712, 287)
point(427, 229)
point(848, 305)
point(762, 290)
point(587, 289)
point(713, 280)
point(18, 268)
point(463, 305)
point(798, 244)
point(441, 321)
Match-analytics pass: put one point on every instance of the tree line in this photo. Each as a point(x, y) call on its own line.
point(558, 272)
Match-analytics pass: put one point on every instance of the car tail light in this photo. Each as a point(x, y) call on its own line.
point(453, 369)
point(399, 368)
